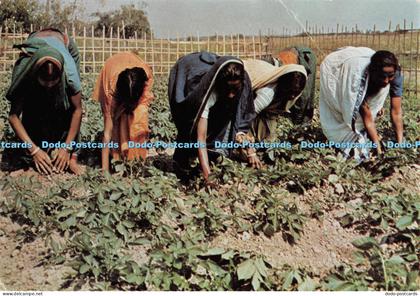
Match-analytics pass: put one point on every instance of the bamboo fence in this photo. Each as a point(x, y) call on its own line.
point(161, 53)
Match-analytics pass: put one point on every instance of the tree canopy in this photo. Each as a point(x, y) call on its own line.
point(129, 18)
point(54, 13)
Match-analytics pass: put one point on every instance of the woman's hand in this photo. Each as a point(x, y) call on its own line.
point(254, 161)
point(61, 159)
point(210, 182)
point(43, 162)
point(381, 113)
point(75, 167)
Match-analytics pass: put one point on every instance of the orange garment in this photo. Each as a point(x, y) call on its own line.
point(288, 56)
point(126, 127)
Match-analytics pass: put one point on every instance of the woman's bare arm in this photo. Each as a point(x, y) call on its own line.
point(108, 125)
point(202, 151)
point(62, 157)
point(41, 159)
point(369, 123)
point(396, 117)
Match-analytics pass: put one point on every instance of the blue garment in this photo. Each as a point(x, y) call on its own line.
point(396, 87)
point(70, 68)
point(189, 82)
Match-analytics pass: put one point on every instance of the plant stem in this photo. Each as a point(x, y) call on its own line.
point(384, 270)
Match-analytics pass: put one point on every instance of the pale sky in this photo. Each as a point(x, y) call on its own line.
point(251, 16)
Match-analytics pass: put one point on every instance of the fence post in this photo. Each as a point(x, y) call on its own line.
point(283, 39)
point(110, 40)
point(103, 45)
point(405, 29)
point(198, 41)
point(253, 46)
point(397, 29)
point(153, 50)
point(357, 35)
point(238, 49)
point(93, 51)
point(5, 48)
point(118, 39)
point(336, 35)
point(417, 62)
point(14, 36)
point(410, 59)
point(169, 54)
point(367, 38)
point(73, 32)
point(322, 37)
point(145, 46)
point(161, 55)
point(123, 34)
point(21, 35)
point(232, 50)
point(136, 43)
point(245, 46)
point(224, 44)
point(84, 49)
point(389, 35)
point(185, 43)
point(373, 37)
point(177, 46)
point(1, 42)
point(217, 43)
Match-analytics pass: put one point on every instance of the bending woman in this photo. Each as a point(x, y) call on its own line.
point(276, 90)
point(355, 82)
point(211, 101)
point(303, 111)
point(124, 91)
point(46, 93)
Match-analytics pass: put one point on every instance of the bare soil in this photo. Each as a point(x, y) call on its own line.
point(323, 245)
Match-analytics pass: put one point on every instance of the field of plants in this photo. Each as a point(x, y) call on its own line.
point(309, 220)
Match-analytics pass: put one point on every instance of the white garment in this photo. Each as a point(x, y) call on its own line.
point(210, 103)
point(343, 86)
point(264, 97)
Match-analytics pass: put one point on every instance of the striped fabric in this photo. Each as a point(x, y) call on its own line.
point(265, 96)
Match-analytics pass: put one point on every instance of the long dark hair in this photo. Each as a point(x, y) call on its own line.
point(230, 72)
point(49, 71)
point(381, 59)
point(129, 88)
point(287, 85)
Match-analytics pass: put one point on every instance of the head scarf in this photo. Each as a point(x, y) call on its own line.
point(263, 73)
point(35, 52)
point(191, 82)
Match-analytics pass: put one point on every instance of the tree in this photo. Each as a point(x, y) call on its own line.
point(53, 13)
point(129, 18)
point(22, 13)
